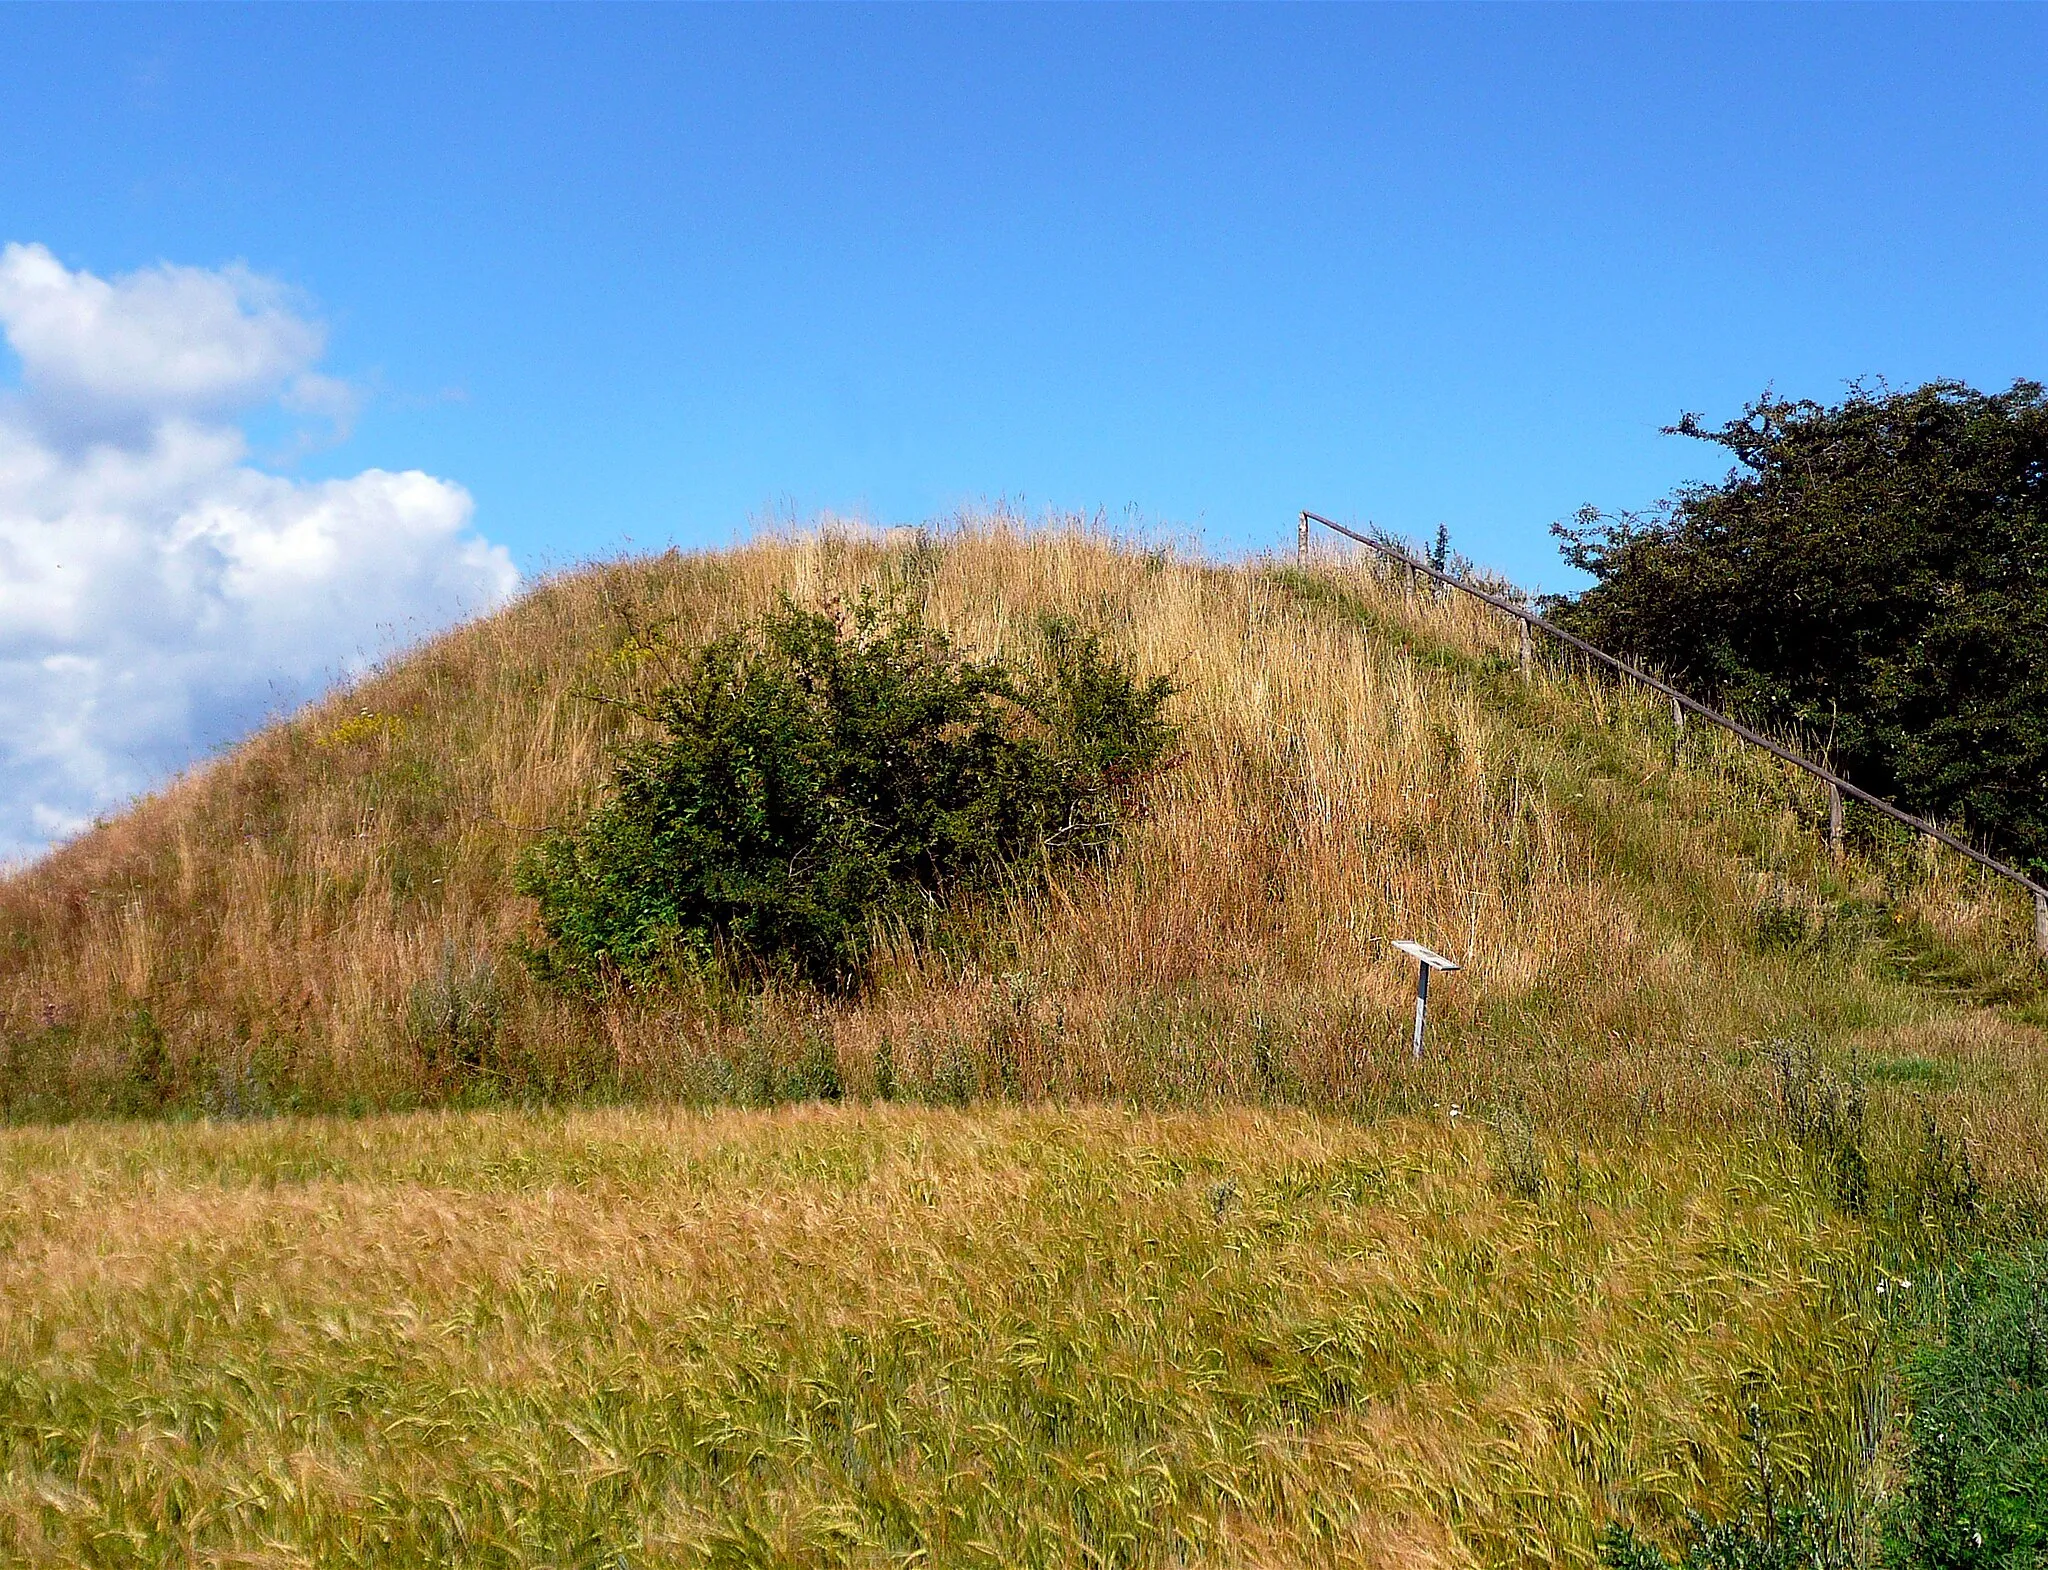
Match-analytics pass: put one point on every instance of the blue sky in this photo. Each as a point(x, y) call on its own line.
point(652, 274)
point(643, 273)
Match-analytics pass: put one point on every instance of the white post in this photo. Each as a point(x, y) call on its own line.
point(1427, 960)
point(1301, 543)
point(1421, 1003)
point(1834, 820)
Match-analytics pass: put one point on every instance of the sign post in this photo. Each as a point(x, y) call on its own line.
point(1426, 961)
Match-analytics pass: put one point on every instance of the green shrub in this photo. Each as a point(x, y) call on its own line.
point(1977, 1465)
point(813, 778)
point(1824, 1112)
point(1872, 572)
point(1799, 1537)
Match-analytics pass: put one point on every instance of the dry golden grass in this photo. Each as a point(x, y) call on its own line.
point(1363, 763)
point(892, 1336)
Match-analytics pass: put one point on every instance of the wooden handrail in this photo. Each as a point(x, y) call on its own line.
point(1529, 618)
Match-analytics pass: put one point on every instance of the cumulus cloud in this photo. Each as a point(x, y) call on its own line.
point(160, 593)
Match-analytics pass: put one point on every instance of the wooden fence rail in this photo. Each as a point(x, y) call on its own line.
point(1681, 706)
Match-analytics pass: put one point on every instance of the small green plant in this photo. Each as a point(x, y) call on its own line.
point(1942, 1189)
point(816, 778)
point(1904, 1070)
point(1769, 1533)
point(1517, 1158)
point(1797, 1537)
point(1824, 1112)
point(149, 1065)
point(453, 1015)
point(1783, 923)
point(781, 1059)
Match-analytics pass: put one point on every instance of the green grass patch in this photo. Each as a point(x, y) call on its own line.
point(1976, 1472)
point(1908, 1070)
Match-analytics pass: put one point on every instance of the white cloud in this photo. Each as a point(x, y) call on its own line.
point(159, 593)
point(163, 340)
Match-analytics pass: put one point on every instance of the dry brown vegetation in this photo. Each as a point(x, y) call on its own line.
point(323, 918)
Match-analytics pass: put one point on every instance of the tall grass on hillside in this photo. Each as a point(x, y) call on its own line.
point(885, 1336)
point(321, 919)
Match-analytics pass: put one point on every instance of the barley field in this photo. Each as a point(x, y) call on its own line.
point(885, 1336)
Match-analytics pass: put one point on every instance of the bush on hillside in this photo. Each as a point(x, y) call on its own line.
point(813, 778)
point(1872, 573)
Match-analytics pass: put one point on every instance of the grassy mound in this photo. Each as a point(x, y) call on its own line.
point(321, 920)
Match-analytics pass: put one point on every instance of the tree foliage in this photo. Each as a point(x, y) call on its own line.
point(813, 777)
point(1873, 573)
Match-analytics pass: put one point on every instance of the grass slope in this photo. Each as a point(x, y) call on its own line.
point(321, 920)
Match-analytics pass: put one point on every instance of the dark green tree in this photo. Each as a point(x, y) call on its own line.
point(813, 777)
point(1872, 574)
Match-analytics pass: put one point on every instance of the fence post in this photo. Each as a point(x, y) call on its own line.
point(1301, 543)
point(1677, 732)
point(1834, 820)
point(1527, 662)
point(2041, 922)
